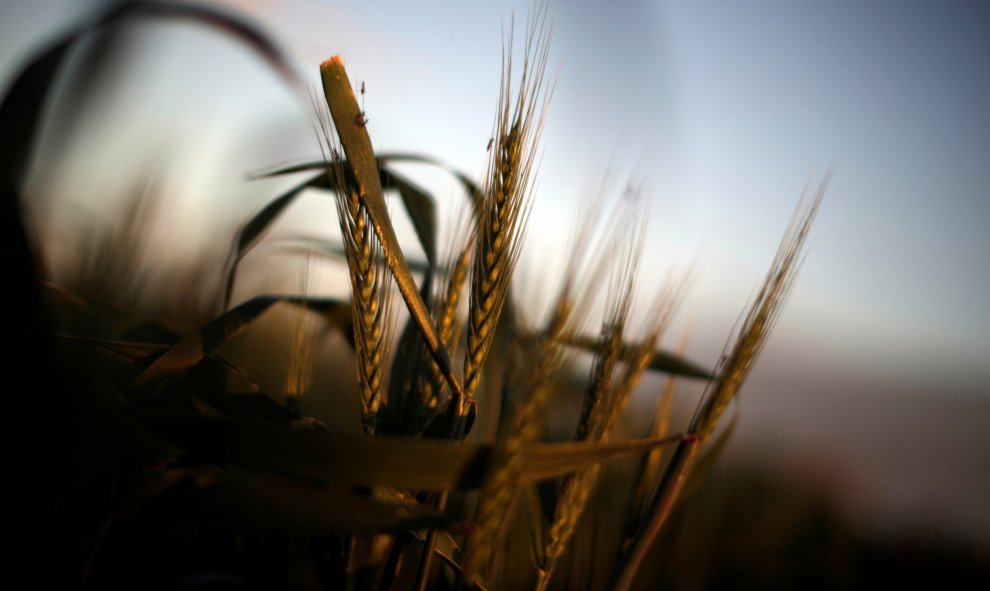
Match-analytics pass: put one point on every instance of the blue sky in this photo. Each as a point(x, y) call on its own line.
point(724, 111)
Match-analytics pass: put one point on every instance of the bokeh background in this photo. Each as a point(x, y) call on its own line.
point(874, 390)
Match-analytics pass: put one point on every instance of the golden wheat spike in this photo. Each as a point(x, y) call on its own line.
point(759, 320)
point(507, 195)
point(732, 372)
point(594, 416)
point(369, 278)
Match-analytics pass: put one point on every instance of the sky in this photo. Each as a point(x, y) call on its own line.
point(721, 112)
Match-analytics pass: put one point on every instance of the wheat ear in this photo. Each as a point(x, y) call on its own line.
point(547, 348)
point(507, 195)
point(642, 354)
point(577, 488)
point(369, 277)
point(759, 320)
point(733, 372)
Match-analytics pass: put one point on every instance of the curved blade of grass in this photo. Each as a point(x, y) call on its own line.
point(447, 549)
point(191, 349)
point(348, 459)
point(318, 246)
point(74, 313)
point(221, 385)
point(276, 503)
point(470, 187)
point(663, 361)
point(443, 544)
point(123, 349)
point(20, 111)
point(421, 209)
point(255, 228)
point(347, 118)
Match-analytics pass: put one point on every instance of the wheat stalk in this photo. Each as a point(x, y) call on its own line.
point(650, 465)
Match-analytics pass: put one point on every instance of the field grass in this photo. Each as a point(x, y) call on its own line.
point(172, 466)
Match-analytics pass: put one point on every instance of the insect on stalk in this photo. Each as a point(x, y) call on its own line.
point(362, 117)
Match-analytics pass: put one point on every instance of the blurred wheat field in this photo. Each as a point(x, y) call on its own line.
point(383, 407)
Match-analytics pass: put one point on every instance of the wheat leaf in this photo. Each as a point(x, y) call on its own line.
point(320, 247)
point(421, 208)
point(20, 111)
point(255, 228)
point(191, 349)
point(129, 351)
point(275, 503)
point(346, 459)
point(74, 313)
point(470, 187)
point(663, 361)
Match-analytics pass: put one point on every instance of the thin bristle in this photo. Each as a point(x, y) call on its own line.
point(300, 366)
